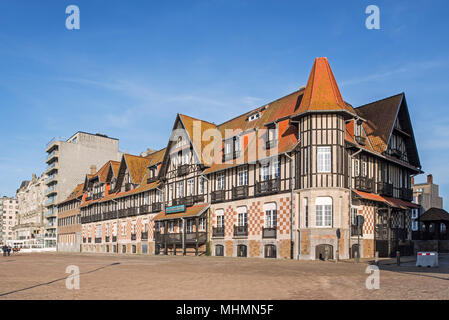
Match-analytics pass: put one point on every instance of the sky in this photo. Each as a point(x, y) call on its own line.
point(133, 65)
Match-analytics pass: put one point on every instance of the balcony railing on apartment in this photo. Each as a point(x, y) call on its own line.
point(385, 189)
point(269, 232)
point(241, 231)
point(176, 238)
point(98, 240)
point(217, 196)
point(240, 192)
point(179, 202)
point(107, 238)
point(144, 209)
point(406, 194)
point(144, 235)
point(268, 186)
point(183, 169)
point(131, 212)
point(218, 231)
point(133, 236)
point(156, 207)
point(122, 213)
point(364, 184)
point(114, 238)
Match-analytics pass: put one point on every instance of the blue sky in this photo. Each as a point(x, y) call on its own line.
point(134, 64)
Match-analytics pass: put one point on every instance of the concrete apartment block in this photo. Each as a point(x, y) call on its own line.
point(8, 209)
point(68, 162)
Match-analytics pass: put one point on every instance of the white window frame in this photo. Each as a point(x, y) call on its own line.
point(242, 216)
point(323, 212)
point(270, 215)
point(324, 159)
point(242, 176)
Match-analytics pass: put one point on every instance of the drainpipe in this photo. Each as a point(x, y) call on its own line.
point(351, 156)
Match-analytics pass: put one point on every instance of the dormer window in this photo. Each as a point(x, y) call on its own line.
point(254, 116)
point(271, 137)
point(358, 132)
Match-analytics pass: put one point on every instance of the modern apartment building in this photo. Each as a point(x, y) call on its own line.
point(9, 209)
point(289, 179)
point(68, 161)
point(427, 196)
point(29, 231)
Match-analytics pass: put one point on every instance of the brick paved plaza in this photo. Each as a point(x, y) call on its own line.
point(42, 276)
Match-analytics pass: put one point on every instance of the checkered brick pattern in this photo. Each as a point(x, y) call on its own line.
point(367, 211)
point(255, 219)
point(283, 217)
point(230, 218)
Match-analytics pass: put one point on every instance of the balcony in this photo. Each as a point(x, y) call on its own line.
point(406, 194)
point(50, 190)
point(49, 201)
point(199, 198)
point(360, 140)
point(269, 233)
point(183, 169)
point(51, 179)
point(364, 184)
point(189, 201)
point(385, 189)
point(240, 192)
point(176, 238)
point(144, 209)
point(84, 240)
point(144, 235)
point(218, 232)
point(106, 239)
point(156, 207)
point(356, 231)
point(133, 236)
point(241, 231)
point(98, 240)
point(53, 166)
point(52, 154)
point(218, 196)
point(268, 187)
point(122, 213)
point(131, 212)
point(114, 238)
point(49, 213)
point(89, 240)
point(271, 144)
point(179, 202)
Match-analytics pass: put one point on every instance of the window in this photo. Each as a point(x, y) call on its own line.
point(265, 172)
point(242, 216)
point(241, 250)
point(323, 213)
point(414, 214)
point(306, 161)
point(364, 167)
point(356, 167)
point(324, 159)
point(243, 176)
point(276, 169)
point(190, 187)
point(201, 186)
point(220, 221)
point(254, 117)
point(202, 224)
point(171, 226)
point(270, 215)
point(221, 181)
point(272, 134)
point(180, 189)
point(189, 226)
point(414, 225)
point(354, 213)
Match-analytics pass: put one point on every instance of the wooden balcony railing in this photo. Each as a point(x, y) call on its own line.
point(114, 238)
point(144, 235)
point(241, 231)
point(199, 198)
point(364, 184)
point(156, 207)
point(385, 189)
point(269, 233)
point(240, 192)
point(406, 194)
point(179, 202)
point(122, 213)
point(107, 238)
point(176, 238)
point(98, 240)
point(218, 196)
point(131, 211)
point(183, 169)
point(218, 231)
point(89, 240)
point(268, 186)
point(189, 201)
point(133, 236)
point(144, 209)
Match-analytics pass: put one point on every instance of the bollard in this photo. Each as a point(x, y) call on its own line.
point(376, 258)
point(398, 258)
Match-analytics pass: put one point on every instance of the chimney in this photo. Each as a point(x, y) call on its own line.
point(413, 181)
point(93, 169)
point(429, 179)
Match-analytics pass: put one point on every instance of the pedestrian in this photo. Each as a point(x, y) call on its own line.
point(5, 249)
point(9, 250)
